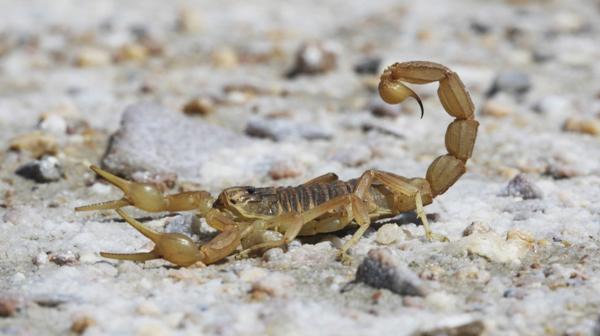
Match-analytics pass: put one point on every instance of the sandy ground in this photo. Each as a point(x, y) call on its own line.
point(523, 223)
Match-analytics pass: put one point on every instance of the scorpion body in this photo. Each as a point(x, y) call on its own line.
point(247, 216)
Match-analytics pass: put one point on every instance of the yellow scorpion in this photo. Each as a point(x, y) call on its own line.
point(247, 216)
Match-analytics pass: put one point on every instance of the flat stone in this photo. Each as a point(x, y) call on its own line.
point(154, 139)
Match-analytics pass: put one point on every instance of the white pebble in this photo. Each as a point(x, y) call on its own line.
point(101, 188)
point(40, 259)
point(253, 274)
point(389, 234)
point(441, 300)
point(54, 124)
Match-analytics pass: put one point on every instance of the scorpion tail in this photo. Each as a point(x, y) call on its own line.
point(445, 170)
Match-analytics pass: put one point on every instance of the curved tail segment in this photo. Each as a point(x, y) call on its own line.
point(445, 170)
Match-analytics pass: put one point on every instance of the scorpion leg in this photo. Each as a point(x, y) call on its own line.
point(293, 222)
point(404, 192)
point(325, 178)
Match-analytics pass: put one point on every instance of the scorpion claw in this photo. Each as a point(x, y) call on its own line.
point(141, 195)
point(104, 205)
point(174, 247)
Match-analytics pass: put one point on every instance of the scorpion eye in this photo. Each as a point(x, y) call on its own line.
point(250, 190)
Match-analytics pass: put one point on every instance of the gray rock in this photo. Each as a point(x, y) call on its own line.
point(381, 270)
point(513, 82)
point(155, 139)
point(368, 65)
point(313, 58)
point(282, 129)
point(47, 169)
point(521, 186)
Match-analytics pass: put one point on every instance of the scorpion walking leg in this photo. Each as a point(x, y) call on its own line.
point(407, 195)
point(293, 222)
point(325, 178)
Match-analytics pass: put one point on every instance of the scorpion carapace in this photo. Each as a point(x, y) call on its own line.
point(249, 217)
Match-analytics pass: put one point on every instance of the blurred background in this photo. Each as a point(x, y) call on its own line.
point(275, 93)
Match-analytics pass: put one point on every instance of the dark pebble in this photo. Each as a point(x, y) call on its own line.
point(380, 270)
point(521, 186)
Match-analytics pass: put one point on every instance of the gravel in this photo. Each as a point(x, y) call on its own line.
point(522, 256)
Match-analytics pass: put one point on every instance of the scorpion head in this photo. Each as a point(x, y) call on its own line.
point(245, 201)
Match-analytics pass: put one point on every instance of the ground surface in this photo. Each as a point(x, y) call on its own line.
point(68, 70)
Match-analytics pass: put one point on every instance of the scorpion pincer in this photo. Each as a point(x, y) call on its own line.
point(248, 216)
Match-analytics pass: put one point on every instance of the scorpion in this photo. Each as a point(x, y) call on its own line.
point(248, 216)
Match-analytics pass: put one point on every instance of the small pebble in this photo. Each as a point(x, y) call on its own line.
point(517, 293)
point(36, 143)
point(189, 21)
point(368, 65)
point(274, 255)
point(52, 300)
point(553, 105)
point(472, 273)
point(389, 234)
point(92, 57)
point(286, 169)
point(132, 53)
point(64, 258)
point(40, 259)
point(274, 284)
point(492, 247)
point(81, 324)
point(441, 300)
point(200, 106)
point(432, 272)
point(8, 306)
point(53, 124)
point(225, 58)
point(498, 108)
point(253, 274)
point(512, 81)
point(148, 308)
point(582, 125)
point(476, 227)
point(101, 188)
point(313, 58)
point(380, 269)
point(561, 171)
point(521, 186)
point(45, 170)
